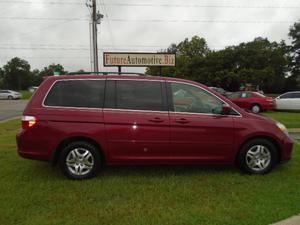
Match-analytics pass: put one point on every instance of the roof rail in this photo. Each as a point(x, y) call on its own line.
point(107, 73)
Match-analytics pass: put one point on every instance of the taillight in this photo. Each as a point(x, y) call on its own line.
point(28, 121)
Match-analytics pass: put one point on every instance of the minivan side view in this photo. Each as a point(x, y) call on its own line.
point(82, 122)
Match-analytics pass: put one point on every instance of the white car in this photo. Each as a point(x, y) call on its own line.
point(288, 101)
point(10, 95)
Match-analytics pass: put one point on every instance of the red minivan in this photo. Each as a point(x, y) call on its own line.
point(82, 122)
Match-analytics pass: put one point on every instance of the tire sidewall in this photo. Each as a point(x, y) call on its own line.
point(80, 144)
point(241, 160)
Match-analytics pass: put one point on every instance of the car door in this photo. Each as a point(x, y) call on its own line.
point(199, 132)
point(284, 101)
point(136, 121)
point(297, 100)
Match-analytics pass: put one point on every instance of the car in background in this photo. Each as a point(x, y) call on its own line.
point(288, 101)
point(254, 101)
point(219, 90)
point(10, 95)
point(32, 89)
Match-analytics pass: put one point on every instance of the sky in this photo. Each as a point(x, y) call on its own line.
point(55, 31)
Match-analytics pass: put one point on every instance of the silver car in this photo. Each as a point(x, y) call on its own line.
point(9, 94)
point(288, 101)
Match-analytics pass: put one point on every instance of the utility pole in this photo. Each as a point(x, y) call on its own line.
point(94, 35)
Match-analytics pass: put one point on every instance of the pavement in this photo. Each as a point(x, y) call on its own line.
point(11, 108)
point(294, 220)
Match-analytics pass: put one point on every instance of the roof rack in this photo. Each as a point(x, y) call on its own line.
point(107, 73)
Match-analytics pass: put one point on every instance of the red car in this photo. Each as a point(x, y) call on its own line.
point(83, 122)
point(254, 101)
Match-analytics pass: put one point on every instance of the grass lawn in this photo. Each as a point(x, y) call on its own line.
point(26, 94)
point(289, 119)
point(34, 193)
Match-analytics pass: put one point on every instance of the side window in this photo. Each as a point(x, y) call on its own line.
point(76, 93)
point(296, 95)
point(188, 98)
point(246, 95)
point(288, 95)
point(139, 95)
point(235, 95)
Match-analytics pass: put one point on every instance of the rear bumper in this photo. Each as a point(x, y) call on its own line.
point(27, 148)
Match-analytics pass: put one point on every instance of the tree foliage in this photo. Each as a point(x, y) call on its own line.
point(259, 62)
point(294, 35)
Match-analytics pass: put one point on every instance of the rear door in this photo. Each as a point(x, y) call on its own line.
point(136, 121)
point(199, 133)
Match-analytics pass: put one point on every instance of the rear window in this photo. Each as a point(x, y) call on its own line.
point(76, 93)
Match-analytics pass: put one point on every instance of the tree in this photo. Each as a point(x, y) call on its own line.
point(185, 52)
point(294, 34)
point(16, 74)
point(51, 69)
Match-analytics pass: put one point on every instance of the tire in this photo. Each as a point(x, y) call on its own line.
point(80, 160)
point(10, 97)
point(257, 156)
point(256, 108)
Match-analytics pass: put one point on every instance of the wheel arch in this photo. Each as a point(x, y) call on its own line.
point(269, 138)
point(65, 142)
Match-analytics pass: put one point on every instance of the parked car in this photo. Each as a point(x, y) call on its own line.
point(219, 90)
point(32, 89)
point(254, 101)
point(10, 95)
point(86, 121)
point(288, 101)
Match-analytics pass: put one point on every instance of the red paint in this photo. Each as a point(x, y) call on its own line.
point(145, 137)
point(266, 103)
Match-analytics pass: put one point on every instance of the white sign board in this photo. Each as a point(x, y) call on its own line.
point(138, 59)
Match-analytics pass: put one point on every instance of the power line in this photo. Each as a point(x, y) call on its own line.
point(157, 5)
point(149, 20)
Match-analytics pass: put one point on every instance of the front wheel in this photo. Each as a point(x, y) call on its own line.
point(80, 160)
point(10, 97)
point(257, 156)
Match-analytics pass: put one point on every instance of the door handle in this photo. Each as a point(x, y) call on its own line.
point(156, 120)
point(182, 121)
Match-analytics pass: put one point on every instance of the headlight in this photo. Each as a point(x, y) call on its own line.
point(282, 128)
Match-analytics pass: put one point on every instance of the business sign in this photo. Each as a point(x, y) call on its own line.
point(138, 59)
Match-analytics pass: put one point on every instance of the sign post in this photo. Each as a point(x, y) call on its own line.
point(120, 59)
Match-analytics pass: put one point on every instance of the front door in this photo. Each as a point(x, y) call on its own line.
point(199, 132)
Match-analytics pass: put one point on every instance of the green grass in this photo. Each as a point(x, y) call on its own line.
point(289, 119)
point(32, 192)
point(26, 94)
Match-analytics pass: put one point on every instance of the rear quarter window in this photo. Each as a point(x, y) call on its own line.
point(76, 93)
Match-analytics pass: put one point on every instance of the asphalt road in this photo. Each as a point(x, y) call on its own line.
point(11, 108)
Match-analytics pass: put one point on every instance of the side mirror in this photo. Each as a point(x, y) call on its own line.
point(226, 109)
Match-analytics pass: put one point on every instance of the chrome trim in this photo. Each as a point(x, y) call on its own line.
point(181, 82)
point(136, 110)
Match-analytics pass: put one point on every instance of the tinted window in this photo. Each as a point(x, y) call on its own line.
point(246, 95)
point(288, 95)
point(76, 93)
point(139, 95)
point(187, 98)
point(235, 95)
point(296, 95)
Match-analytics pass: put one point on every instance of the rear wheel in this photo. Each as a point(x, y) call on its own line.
point(257, 156)
point(256, 108)
point(10, 97)
point(80, 160)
